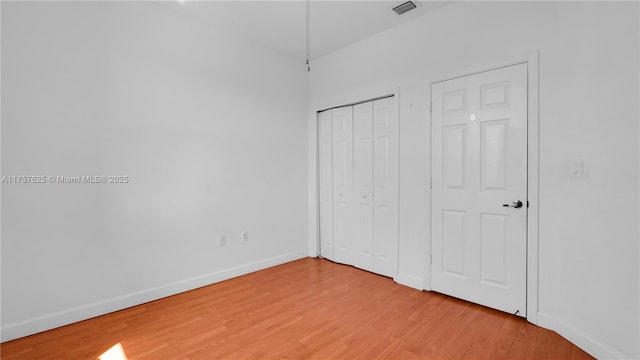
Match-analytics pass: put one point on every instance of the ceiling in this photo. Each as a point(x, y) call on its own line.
point(281, 25)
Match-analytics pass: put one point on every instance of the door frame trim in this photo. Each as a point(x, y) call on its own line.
point(532, 61)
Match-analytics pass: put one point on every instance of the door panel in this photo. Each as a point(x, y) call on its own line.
point(363, 185)
point(326, 183)
point(341, 216)
point(453, 242)
point(382, 161)
point(385, 202)
point(342, 182)
point(493, 245)
point(455, 156)
point(479, 163)
point(493, 159)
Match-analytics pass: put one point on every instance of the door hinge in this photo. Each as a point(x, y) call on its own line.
point(430, 259)
point(430, 183)
point(527, 204)
point(430, 106)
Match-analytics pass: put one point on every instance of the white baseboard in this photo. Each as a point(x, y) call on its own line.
point(581, 339)
point(51, 321)
point(410, 281)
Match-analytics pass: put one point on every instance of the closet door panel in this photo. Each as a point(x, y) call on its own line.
point(325, 179)
point(363, 185)
point(385, 181)
point(342, 122)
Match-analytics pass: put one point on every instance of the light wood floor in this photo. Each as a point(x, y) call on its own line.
point(309, 308)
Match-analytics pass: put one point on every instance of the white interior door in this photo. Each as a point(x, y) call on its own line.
point(385, 182)
point(342, 182)
point(363, 186)
point(479, 163)
point(325, 180)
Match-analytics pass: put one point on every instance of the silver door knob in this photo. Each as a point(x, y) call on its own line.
point(364, 196)
point(516, 204)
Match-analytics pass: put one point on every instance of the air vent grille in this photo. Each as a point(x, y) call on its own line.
point(404, 7)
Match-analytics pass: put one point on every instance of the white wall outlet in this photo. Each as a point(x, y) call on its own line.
point(579, 169)
point(223, 240)
point(245, 236)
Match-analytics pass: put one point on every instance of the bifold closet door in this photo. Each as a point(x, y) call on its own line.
point(358, 165)
point(385, 186)
point(325, 180)
point(342, 119)
point(363, 186)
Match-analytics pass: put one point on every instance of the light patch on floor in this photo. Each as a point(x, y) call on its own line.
point(115, 353)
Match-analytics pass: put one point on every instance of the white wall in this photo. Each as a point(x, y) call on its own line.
point(588, 103)
point(210, 130)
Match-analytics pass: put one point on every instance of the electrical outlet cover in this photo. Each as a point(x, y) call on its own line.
point(579, 168)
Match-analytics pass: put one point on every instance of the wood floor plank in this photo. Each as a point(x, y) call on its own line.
point(305, 309)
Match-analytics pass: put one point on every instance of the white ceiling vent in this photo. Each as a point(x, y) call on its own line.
point(404, 7)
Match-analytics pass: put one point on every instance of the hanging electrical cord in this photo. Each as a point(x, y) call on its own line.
point(308, 38)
